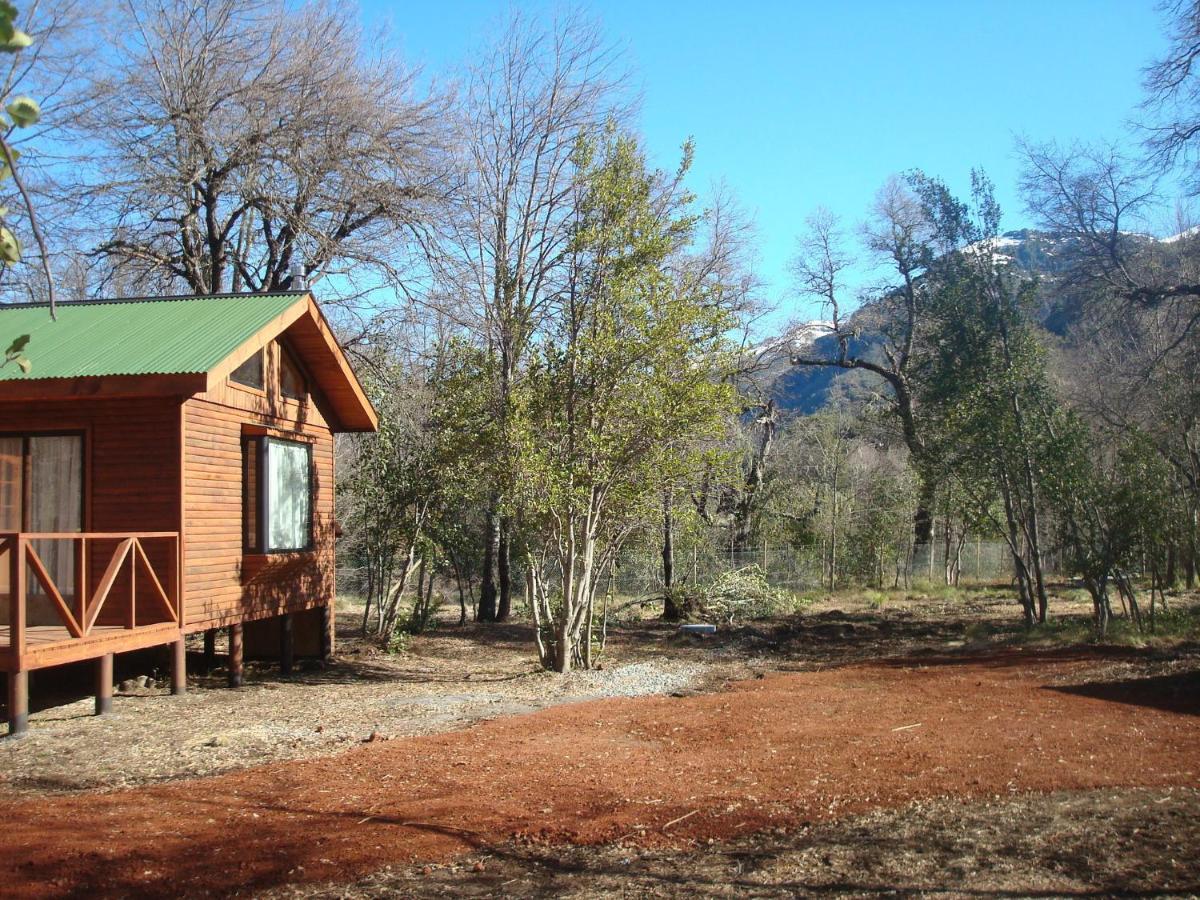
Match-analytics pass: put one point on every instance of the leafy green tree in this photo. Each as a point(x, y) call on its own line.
point(986, 390)
point(624, 386)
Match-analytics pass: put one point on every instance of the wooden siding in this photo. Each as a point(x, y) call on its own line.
point(131, 454)
point(222, 583)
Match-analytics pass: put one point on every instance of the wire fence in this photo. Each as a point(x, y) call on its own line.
point(640, 573)
point(800, 570)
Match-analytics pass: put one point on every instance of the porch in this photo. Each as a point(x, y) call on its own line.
point(72, 596)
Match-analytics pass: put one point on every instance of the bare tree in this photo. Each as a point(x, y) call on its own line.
point(1172, 103)
point(534, 91)
point(1100, 201)
point(53, 70)
point(899, 235)
point(243, 141)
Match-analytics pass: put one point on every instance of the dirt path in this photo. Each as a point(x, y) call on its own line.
point(779, 751)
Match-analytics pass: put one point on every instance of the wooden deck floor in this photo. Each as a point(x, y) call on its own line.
point(51, 645)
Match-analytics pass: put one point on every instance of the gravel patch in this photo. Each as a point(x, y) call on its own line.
point(151, 736)
point(660, 676)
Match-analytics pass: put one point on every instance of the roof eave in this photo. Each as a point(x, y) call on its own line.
point(95, 387)
point(351, 407)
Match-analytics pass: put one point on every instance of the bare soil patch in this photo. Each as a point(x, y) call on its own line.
point(448, 679)
point(780, 752)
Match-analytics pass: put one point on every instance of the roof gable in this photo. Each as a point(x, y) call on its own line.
point(141, 340)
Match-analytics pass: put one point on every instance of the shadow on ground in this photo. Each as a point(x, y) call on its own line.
point(1057, 844)
point(1177, 693)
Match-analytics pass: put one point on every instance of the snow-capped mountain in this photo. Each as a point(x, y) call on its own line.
point(1046, 255)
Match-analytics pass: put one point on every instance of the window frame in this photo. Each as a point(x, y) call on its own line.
point(261, 353)
point(27, 468)
point(258, 444)
point(285, 354)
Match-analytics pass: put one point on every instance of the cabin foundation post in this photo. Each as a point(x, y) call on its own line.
point(178, 667)
point(326, 632)
point(210, 650)
point(104, 684)
point(18, 702)
point(286, 645)
point(236, 664)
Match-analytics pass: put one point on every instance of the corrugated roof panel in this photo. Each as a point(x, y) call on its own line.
point(177, 335)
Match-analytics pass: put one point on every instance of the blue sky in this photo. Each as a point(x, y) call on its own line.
point(796, 105)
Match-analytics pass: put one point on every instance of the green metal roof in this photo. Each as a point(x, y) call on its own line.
point(145, 336)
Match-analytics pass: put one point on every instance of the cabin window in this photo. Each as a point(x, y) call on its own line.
point(291, 379)
point(41, 482)
point(250, 373)
point(278, 492)
point(41, 490)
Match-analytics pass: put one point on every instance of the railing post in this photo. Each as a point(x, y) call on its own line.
point(177, 580)
point(16, 601)
point(81, 580)
point(131, 620)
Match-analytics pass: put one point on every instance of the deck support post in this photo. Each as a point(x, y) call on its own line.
point(286, 645)
point(327, 632)
point(210, 650)
point(236, 668)
point(178, 667)
point(18, 702)
point(104, 684)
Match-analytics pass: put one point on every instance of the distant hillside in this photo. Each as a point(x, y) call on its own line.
point(803, 389)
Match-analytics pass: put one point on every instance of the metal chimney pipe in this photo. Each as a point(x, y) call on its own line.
point(296, 277)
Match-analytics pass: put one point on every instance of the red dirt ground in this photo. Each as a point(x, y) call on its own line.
point(660, 770)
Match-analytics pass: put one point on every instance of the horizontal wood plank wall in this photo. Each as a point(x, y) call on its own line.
point(131, 477)
point(222, 583)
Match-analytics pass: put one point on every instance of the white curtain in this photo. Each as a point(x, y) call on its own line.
point(289, 502)
point(56, 504)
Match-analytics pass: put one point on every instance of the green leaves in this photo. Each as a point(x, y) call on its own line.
point(10, 247)
point(15, 354)
point(624, 391)
point(12, 38)
point(24, 112)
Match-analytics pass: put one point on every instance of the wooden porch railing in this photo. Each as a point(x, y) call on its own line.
point(145, 590)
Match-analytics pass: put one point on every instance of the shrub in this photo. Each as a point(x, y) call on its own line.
point(875, 599)
point(744, 594)
point(399, 642)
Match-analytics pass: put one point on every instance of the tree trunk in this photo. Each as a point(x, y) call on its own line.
point(487, 586)
point(1024, 588)
point(671, 609)
point(504, 570)
point(390, 608)
point(743, 512)
point(668, 547)
point(1189, 564)
point(462, 598)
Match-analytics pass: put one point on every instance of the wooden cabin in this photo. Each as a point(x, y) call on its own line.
point(166, 467)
